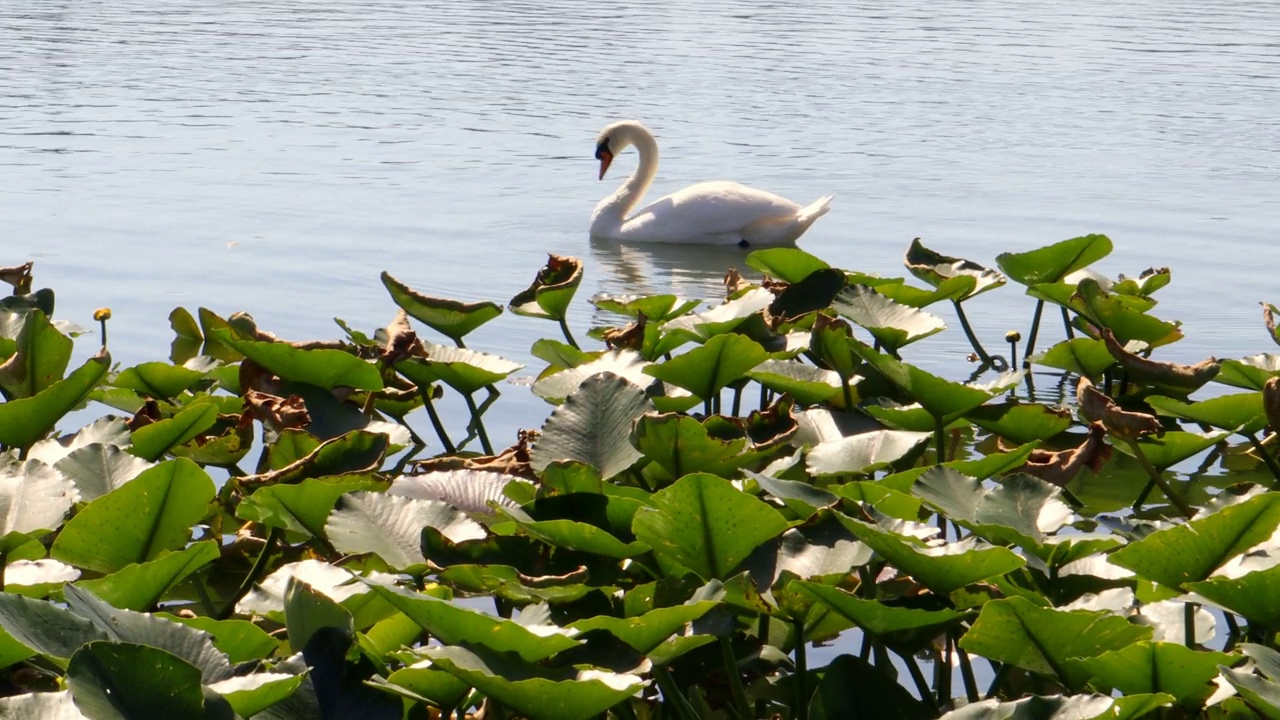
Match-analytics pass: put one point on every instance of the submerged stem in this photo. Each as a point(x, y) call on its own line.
point(479, 424)
point(1186, 510)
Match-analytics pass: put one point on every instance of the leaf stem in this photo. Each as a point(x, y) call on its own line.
point(1266, 456)
point(435, 421)
point(1001, 673)
point(479, 424)
point(735, 678)
point(564, 328)
point(1186, 510)
point(922, 685)
point(1189, 625)
point(671, 692)
point(939, 436)
point(255, 573)
point(966, 670)
point(801, 709)
point(1031, 336)
point(1066, 324)
point(968, 332)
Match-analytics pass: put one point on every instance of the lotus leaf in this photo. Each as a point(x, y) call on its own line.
point(941, 569)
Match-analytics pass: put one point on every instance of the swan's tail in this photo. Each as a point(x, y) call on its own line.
point(814, 210)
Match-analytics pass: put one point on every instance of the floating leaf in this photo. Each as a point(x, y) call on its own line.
point(705, 524)
point(141, 585)
point(1020, 510)
point(1241, 412)
point(1021, 422)
point(391, 526)
point(904, 629)
point(941, 569)
point(125, 681)
point(157, 379)
point(1251, 373)
point(356, 453)
point(862, 453)
point(1253, 593)
point(251, 694)
point(681, 445)
point(1058, 707)
point(1082, 355)
point(593, 426)
point(809, 385)
point(657, 308)
point(552, 290)
point(24, 421)
point(944, 399)
point(1191, 551)
point(301, 508)
point(322, 367)
point(893, 324)
point(40, 356)
point(451, 318)
point(646, 632)
point(1165, 451)
point(625, 364)
point(139, 520)
point(1054, 262)
point(1042, 640)
point(1157, 667)
point(461, 369)
point(786, 263)
point(98, 468)
point(151, 442)
point(705, 370)
point(34, 497)
point(813, 293)
point(535, 692)
point(935, 269)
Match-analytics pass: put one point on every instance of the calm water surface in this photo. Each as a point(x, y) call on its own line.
point(274, 156)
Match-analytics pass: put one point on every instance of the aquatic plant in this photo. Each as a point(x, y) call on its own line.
point(757, 507)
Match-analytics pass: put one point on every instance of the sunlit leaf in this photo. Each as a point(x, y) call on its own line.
point(943, 399)
point(141, 585)
point(34, 498)
point(1020, 510)
point(1165, 451)
point(893, 324)
point(461, 369)
point(1156, 667)
point(593, 426)
point(552, 290)
point(902, 628)
point(862, 453)
point(451, 318)
point(1241, 412)
point(935, 268)
point(24, 421)
point(157, 379)
point(322, 367)
point(785, 263)
point(126, 681)
point(941, 569)
point(1054, 262)
point(391, 526)
point(151, 442)
point(1021, 422)
point(1082, 355)
point(705, 370)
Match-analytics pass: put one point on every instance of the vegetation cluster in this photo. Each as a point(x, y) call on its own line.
point(755, 508)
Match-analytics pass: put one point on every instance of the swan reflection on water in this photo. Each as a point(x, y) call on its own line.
point(689, 271)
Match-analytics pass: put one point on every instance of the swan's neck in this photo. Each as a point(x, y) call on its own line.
point(612, 211)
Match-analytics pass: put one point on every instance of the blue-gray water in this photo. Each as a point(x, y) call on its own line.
point(275, 155)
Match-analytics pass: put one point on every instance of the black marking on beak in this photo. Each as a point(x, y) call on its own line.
point(602, 148)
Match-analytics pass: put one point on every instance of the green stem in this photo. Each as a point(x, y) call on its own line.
point(1013, 353)
point(4, 562)
point(740, 701)
point(939, 436)
point(564, 328)
point(479, 424)
point(922, 685)
point(435, 421)
point(737, 400)
point(848, 393)
point(255, 573)
point(1031, 336)
point(968, 332)
point(671, 693)
point(1186, 510)
point(1066, 323)
point(966, 670)
point(1001, 673)
point(1266, 456)
point(1189, 625)
point(801, 710)
point(942, 674)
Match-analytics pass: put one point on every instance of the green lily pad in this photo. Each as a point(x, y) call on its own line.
point(1251, 373)
point(322, 367)
point(552, 290)
point(390, 526)
point(1254, 595)
point(705, 370)
point(301, 508)
point(657, 308)
point(37, 499)
point(952, 288)
point(40, 706)
point(943, 399)
point(809, 385)
point(893, 324)
point(1021, 422)
point(1021, 510)
point(593, 426)
point(1042, 640)
point(126, 681)
point(141, 585)
point(452, 318)
point(139, 520)
point(935, 269)
point(862, 453)
point(241, 640)
point(885, 499)
point(681, 445)
point(813, 293)
point(705, 524)
point(1063, 707)
point(854, 688)
point(1054, 262)
point(426, 681)
point(251, 694)
point(581, 537)
point(40, 356)
point(151, 442)
point(941, 569)
point(461, 369)
point(1241, 412)
point(355, 453)
point(1082, 355)
point(307, 612)
point(1190, 552)
point(453, 624)
point(26, 420)
point(535, 692)
point(1116, 313)
point(157, 379)
point(785, 263)
point(904, 629)
point(646, 632)
point(1156, 667)
point(1171, 448)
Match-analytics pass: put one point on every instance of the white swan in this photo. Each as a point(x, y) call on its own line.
point(709, 213)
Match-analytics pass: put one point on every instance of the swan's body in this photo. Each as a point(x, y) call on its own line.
point(709, 213)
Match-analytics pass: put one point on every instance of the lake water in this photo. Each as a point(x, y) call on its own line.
point(275, 155)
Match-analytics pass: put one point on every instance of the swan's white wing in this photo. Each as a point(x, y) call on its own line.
point(712, 212)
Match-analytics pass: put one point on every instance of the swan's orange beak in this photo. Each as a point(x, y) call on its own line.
point(606, 158)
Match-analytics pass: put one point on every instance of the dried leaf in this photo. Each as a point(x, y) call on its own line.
point(734, 282)
point(630, 337)
point(402, 341)
point(1183, 376)
point(278, 412)
point(1097, 407)
point(1269, 318)
point(147, 414)
point(512, 461)
point(19, 276)
point(1271, 403)
point(1061, 467)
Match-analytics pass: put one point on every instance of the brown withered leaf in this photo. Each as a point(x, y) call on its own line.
point(147, 414)
point(1269, 319)
point(547, 581)
point(255, 377)
point(402, 341)
point(1062, 466)
point(774, 285)
point(733, 281)
point(1188, 377)
point(1271, 403)
point(1125, 424)
point(19, 276)
point(278, 412)
point(512, 461)
point(631, 336)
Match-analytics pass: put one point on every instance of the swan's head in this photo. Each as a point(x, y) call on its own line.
point(615, 138)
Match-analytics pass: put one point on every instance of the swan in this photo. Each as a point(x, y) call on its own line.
point(709, 213)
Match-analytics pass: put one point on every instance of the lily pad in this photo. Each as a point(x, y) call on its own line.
point(1240, 412)
point(325, 368)
point(1082, 355)
point(552, 290)
point(705, 370)
point(593, 426)
point(941, 569)
point(141, 585)
point(1021, 510)
point(26, 420)
point(1157, 667)
point(126, 681)
point(452, 318)
point(391, 526)
point(944, 399)
point(1054, 262)
point(786, 263)
point(936, 268)
point(1021, 422)
point(809, 385)
point(904, 629)
point(893, 324)
point(862, 453)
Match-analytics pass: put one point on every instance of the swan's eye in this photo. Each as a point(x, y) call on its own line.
point(603, 148)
